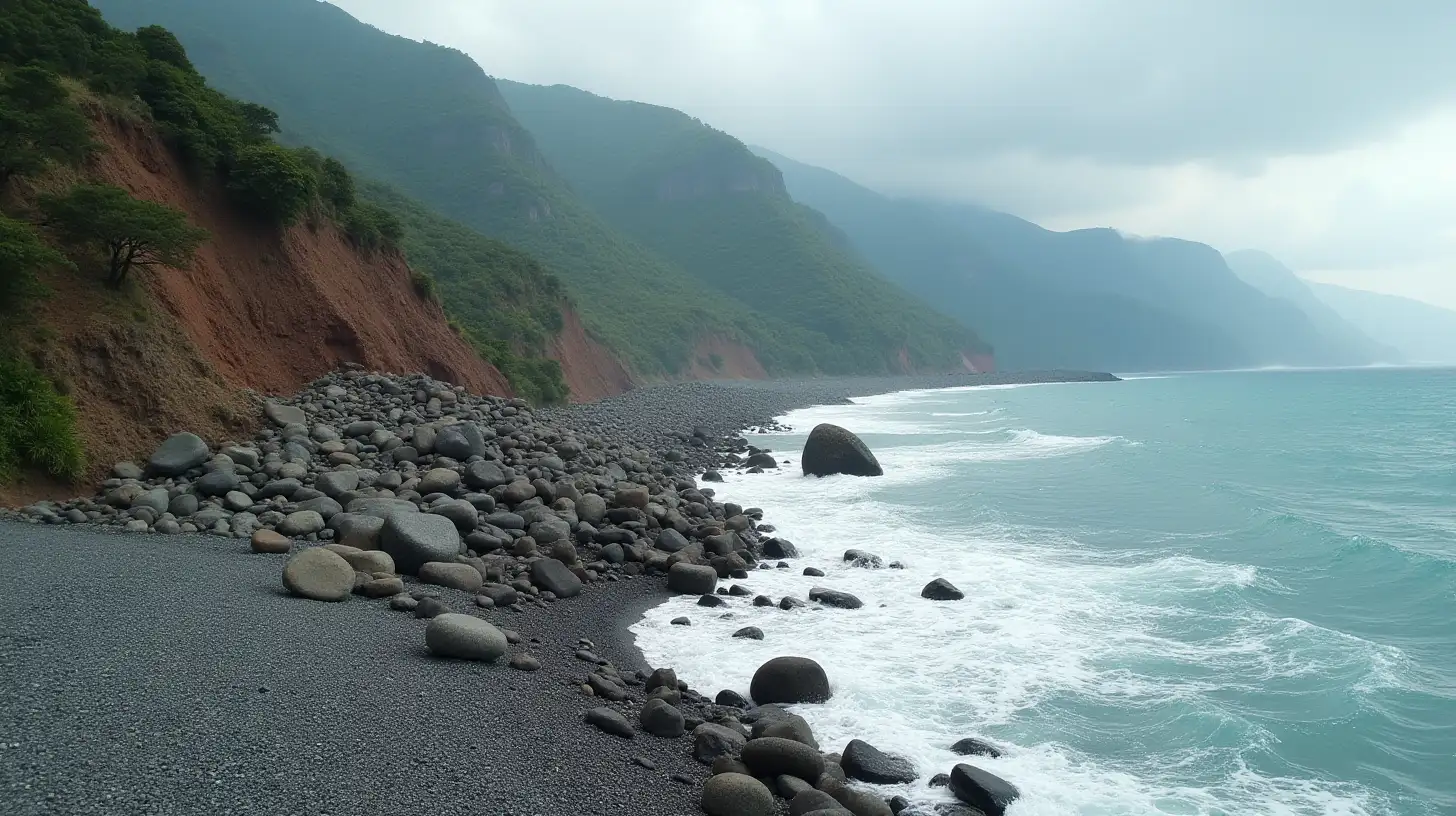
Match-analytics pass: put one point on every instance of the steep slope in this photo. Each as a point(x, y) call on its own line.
point(1086, 298)
point(1265, 273)
point(428, 121)
point(700, 198)
point(1420, 331)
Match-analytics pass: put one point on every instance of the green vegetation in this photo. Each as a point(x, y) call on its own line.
point(128, 232)
point(22, 255)
point(428, 121)
point(273, 182)
point(38, 123)
point(37, 424)
point(504, 301)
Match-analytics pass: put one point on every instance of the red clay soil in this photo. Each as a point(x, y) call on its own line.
point(590, 371)
point(735, 361)
point(274, 312)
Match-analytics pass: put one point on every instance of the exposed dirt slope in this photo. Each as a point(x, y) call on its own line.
point(273, 312)
point(590, 370)
point(720, 358)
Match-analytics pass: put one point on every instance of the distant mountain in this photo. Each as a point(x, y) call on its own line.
point(701, 199)
point(1090, 298)
point(429, 121)
point(1265, 273)
point(1422, 332)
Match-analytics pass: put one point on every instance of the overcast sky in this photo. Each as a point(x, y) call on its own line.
point(1322, 131)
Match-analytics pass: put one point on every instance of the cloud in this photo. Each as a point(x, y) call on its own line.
point(1304, 127)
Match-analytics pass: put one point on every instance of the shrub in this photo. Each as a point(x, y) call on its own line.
point(336, 186)
point(424, 285)
point(22, 255)
point(37, 424)
point(38, 123)
point(372, 227)
point(128, 231)
point(272, 181)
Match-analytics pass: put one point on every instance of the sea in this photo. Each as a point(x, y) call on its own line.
point(1216, 593)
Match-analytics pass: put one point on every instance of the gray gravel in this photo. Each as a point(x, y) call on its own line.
point(172, 675)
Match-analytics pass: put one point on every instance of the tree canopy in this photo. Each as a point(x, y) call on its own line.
point(129, 232)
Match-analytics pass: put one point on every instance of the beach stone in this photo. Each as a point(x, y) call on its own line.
point(671, 541)
point(635, 497)
point(380, 507)
point(861, 803)
point(382, 587)
point(178, 454)
point(867, 763)
point(661, 719)
point(834, 597)
point(462, 636)
point(525, 662)
point(711, 600)
point(814, 572)
point(459, 441)
point(500, 594)
point(734, 794)
point(415, 539)
point(268, 541)
point(485, 474)
point(282, 415)
point(155, 499)
point(237, 501)
point(554, 577)
point(727, 763)
point(940, 780)
point(611, 721)
point(790, 786)
point(729, 697)
point(549, 531)
point(591, 509)
point(750, 632)
point(661, 678)
point(772, 756)
point(779, 548)
point(831, 449)
point(681, 621)
point(691, 579)
point(605, 688)
point(814, 801)
point(439, 480)
point(982, 789)
point(450, 574)
point(941, 590)
point(460, 512)
point(711, 740)
point(429, 608)
point(783, 724)
point(357, 530)
point(323, 505)
point(972, 746)
point(790, 602)
point(334, 483)
point(301, 523)
point(789, 679)
point(318, 574)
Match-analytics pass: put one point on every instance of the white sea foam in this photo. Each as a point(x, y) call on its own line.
point(1047, 630)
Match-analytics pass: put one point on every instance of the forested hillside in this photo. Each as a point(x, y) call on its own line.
point(699, 197)
point(1091, 298)
point(429, 121)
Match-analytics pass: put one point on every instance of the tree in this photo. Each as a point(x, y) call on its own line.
point(273, 181)
point(22, 255)
point(131, 232)
point(38, 123)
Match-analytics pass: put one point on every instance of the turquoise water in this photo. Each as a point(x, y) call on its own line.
point(1205, 594)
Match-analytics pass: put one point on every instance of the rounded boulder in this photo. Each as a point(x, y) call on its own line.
point(774, 756)
point(415, 539)
point(464, 637)
point(831, 449)
point(790, 680)
point(318, 574)
point(692, 579)
point(735, 794)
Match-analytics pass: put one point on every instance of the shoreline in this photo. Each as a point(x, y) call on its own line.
point(656, 436)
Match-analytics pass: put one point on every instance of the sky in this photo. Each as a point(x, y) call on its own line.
point(1321, 131)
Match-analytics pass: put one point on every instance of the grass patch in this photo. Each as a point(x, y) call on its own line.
point(37, 425)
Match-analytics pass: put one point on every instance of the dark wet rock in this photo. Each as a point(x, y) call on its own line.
point(711, 600)
point(750, 632)
point(790, 602)
point(940, 780)
point(982, 789)
point(973, 746)
point(464, 637)
point(691, 579)
point(834, 597)
point(662, 719)
point(727, 763)
point(814, 572)
point(831, 449)
point(779, 548)
point(711, 741)
point(729, 697)
point(553, 576)
point(814, 802)
point(790, 679)
point(681, 621)
point(867, 763)
point(415, 539)
point(611, 721)
point(178, 454)
point(941, 590)
point(863, 558)
point(772, 756)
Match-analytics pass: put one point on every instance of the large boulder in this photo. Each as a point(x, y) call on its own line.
point(867, 763)
point(773, 756)
point(831, 449)
point(301, 523)
point(789, 680)
point(318, 574)
point(982, 789)
point(692, 579)
point(460, 441)
point(735, 794)
point(178, 454)
point(553, 576)
point(357, 530)
point(415, 539)
point(485, 474)
point(834, 597)
point(464, 637)
point(282, 415)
